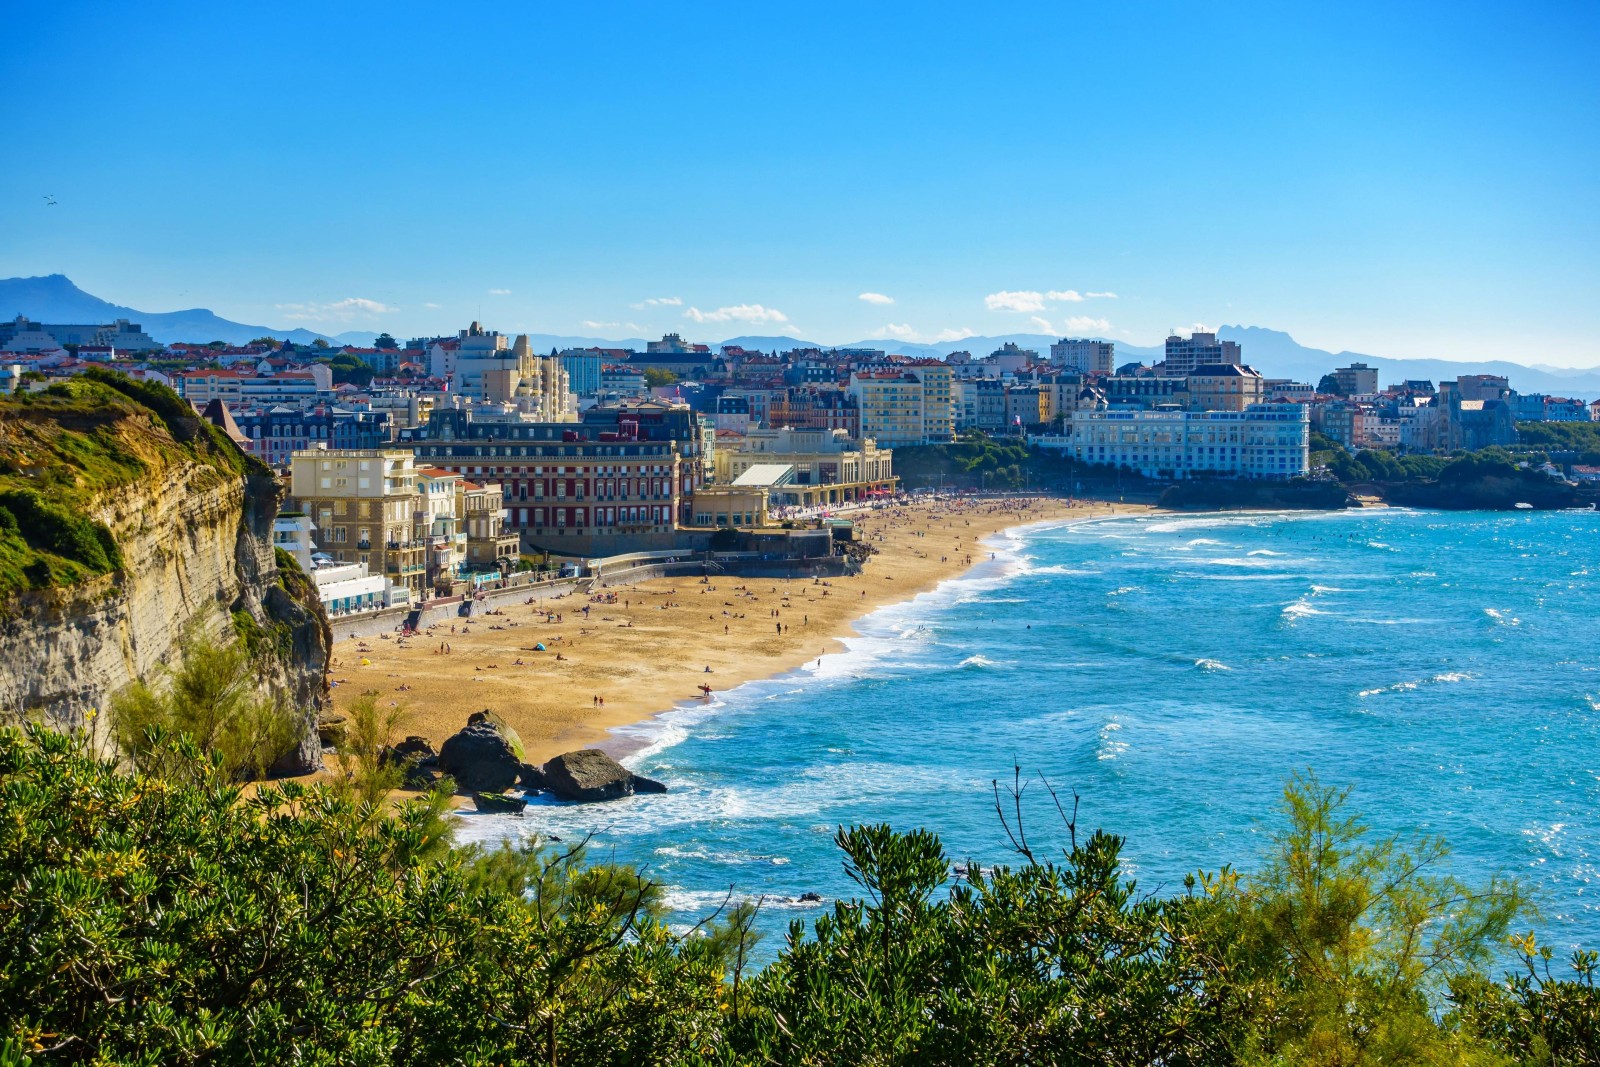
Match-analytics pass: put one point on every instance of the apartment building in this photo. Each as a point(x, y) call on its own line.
point(364, 505)
point(910, 406)
point(815, 407)
point(1225, 387)
point(891, 406)
point(1358, 379)
point(489, 542)
point(938, 414)
point(1026, 405)
point(1084, 356)
point(1184, 354)
point(980, 404)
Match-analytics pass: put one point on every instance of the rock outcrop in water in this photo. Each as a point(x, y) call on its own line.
point(126, 521)
point(590, 775)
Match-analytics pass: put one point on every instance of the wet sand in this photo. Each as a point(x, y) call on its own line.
point(649, 650)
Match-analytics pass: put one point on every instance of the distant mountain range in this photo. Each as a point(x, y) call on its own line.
point(53, 298)
point(1272, 352)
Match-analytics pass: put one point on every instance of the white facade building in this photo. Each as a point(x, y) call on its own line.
point(1262, 441)
point(343, 588)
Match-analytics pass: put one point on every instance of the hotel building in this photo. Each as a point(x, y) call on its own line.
point(1262, 441)
point(619, 481)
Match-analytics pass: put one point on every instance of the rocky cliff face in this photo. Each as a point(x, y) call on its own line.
point(195, 541)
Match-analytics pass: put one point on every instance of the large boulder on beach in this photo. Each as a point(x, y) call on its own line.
point(416, 759)
point(590, 775)
point(484, 757)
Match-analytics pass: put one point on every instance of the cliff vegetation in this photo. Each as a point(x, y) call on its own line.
point(62, 450)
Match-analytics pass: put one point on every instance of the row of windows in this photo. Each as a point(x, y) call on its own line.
point(603, 517)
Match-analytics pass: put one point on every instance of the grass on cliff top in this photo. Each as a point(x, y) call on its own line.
point(63, 448)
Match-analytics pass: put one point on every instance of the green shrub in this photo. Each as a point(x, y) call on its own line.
point(211, 696)
point(152, 919)
point(48, 527)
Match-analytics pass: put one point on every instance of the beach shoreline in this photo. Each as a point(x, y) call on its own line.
point(639, 652)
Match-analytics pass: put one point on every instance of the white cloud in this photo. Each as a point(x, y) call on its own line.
point(430, 304)
point(876, 298)
point(1080, 323)
point(1019, 300)
point(1032, 300)
point(752, 313)
point(590, 324)
point(658, 302)
point(346, 310)
point(1043, 324)
point(901, 330)
point(499, 292)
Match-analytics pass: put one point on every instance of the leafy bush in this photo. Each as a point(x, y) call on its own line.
point(210, 697)
point(152, 919)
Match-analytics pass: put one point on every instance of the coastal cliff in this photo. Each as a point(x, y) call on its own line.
point(125, 521)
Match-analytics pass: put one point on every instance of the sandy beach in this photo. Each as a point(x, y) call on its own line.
point(609, 662)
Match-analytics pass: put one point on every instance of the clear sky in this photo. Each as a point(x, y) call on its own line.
point(1401, 179)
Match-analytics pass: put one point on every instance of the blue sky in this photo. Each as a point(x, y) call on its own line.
point(1406, 180)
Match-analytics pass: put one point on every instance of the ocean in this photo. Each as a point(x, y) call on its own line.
point(1172, 672)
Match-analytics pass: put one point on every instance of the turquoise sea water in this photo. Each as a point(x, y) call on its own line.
point(1172, 671)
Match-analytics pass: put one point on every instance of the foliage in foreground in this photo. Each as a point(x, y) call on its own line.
point(159, 918)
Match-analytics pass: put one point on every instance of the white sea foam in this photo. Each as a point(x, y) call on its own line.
point(1180, 525)
point(1212, 665)
point(975, 661)
point(1300, 609)
point(1396, 688)
point(1501, 618)
point(1405, 687)
point(703, 902)
point(1265, 552)
point(712, 856)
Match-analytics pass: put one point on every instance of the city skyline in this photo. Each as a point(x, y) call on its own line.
point(1407, 183)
